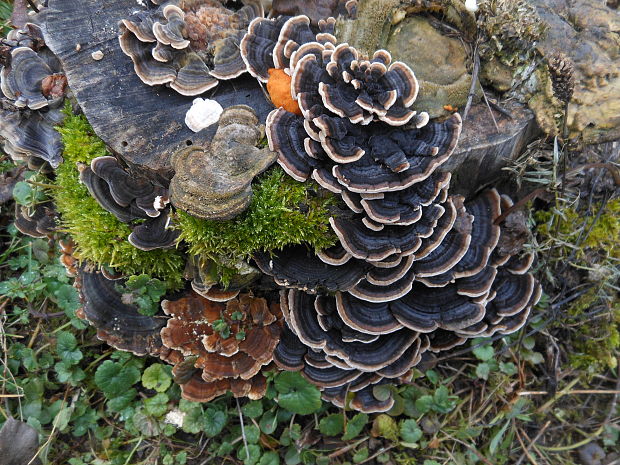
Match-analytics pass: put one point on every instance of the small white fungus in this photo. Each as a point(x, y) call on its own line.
point(98, 55)
point(202, 114)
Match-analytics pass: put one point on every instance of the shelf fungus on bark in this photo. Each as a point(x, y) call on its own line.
point(131, 197)
point(187, 44)
point(33, 88)
point(117, 323)
point(214, 182)
point(222, 347)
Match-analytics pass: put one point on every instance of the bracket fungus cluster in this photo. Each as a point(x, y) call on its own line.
point(32, 89)
point(187, 44)
point(220, 347)
point(414, 269)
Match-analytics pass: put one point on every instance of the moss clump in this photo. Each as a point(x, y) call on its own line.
point(603, 235)
point(283, 212)
point(100, 237)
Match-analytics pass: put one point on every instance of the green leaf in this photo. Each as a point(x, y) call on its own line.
point(410, 432)
point(332, 425)
point(252, 433)
point(270, 458)
point(22, 193)
point(122, 401)
point(67, 298)
point(508, 368)
point(484, 353)
point(296, 394)
point(249, 455)
point(194, 420)
point(66, 373)
point(360, 455)
point(497, 438)
point(269, 422)
point(432, 376)
point(146, 425)
point(157, 377)
point(215, 420)
point(385, 426)
point(483, 370)
point(355, 426)
point(157, 405)
point(66, 348)
point(114, 378)
point(253, 409)
point(424, 403)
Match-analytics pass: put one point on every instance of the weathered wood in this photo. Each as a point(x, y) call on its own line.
point(482, 151)
point(144, 125)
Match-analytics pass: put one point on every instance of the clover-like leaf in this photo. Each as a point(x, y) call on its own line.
point(296, 394)
point(253, 409)
point(157, 405)
point(249, 455)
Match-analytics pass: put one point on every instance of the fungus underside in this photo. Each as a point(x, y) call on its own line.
point(99, 235)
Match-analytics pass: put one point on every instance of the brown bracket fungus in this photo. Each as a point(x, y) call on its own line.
point(224, 346)
point(39, 221)
point(187, 44)
point(214, 182)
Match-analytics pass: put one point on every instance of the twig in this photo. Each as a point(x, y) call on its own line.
point(486, 100)
point(344, 450)
point(526, 449)
point(572, 392)
point(614, 401)
point(376, 454)
point(33, 6)
point(474, 81)
point(245, 440)
point(531, 444)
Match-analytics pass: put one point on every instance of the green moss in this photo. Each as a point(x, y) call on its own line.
point(283, 212)
point(100, 237)
point(603, 236)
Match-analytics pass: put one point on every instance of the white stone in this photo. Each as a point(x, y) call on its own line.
point(202, 114)
point(98, 55)
point(175, 417)
point(471, 5)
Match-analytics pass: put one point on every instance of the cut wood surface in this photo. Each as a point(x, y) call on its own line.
point(142, 124)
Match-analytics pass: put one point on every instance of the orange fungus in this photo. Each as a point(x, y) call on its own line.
point(279, 88)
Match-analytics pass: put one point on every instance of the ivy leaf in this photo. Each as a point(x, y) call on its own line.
point(410, 432)
point(157, 377)
point(424, 403)
point(146, 425)
point(508, 368)
point(355, 426)
point(215, 420)
point(332, 425)
point(22, 193)
point(296, 394)
point(66, 348)
point(114, 378)
point(360, 455)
